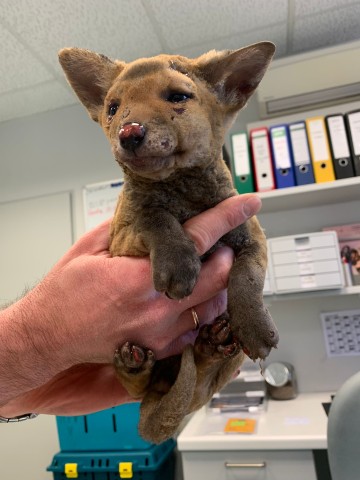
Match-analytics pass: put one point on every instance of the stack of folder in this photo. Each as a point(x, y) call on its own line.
point(314, 150)
point(246, 393)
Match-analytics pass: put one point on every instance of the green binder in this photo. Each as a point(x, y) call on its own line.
point(241, 165)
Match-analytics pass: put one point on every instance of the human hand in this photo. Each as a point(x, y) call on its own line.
point(95, 302)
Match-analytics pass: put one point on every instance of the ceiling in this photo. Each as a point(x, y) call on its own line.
point(32, 32)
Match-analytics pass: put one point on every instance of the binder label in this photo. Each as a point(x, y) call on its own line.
point(299, 144)
point(241, 155)
point(338, 137)
point(319, 140)
point(262, 158)
point(281, 149)
point(354, 121)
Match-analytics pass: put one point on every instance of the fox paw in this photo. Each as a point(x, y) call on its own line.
point(217, 340)
point(259, 337)
point(133, 358)
point(176, 272)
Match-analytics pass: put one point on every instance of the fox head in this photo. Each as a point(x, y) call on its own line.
point(167, 112)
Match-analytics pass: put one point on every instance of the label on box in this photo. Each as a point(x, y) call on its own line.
point(304, 255)
point(306, 268)
point(240, 425)
point(308, 281)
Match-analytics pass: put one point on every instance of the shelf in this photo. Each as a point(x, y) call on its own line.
point(353, 290)
point(306, 196)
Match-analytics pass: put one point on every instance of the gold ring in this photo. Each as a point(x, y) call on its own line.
point(196, 319)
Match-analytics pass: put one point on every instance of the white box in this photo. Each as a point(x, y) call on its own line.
point(305, 262)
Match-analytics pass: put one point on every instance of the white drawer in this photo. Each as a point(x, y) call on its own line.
point(302, 283)
point(304, 242)
point(300, 256)
point(251, 465)
point(306, 268)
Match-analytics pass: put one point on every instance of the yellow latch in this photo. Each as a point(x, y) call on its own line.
point(71, 470)
point(125, 470)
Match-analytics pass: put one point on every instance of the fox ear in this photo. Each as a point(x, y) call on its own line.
point(90, 75)
point(235, 74)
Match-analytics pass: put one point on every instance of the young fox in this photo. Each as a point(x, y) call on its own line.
point(166, 119)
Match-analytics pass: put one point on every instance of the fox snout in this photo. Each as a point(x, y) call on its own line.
point(131, 135)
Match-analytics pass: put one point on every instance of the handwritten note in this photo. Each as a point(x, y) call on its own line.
point(100, 200)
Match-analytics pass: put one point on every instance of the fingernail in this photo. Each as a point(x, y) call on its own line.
point(252, 206)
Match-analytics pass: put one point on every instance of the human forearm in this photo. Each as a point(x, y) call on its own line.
point(30, 353)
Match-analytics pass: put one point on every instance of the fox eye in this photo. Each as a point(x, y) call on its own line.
point(178, 97)
point(113, 107)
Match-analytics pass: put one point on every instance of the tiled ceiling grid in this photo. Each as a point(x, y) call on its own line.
point(32, 32)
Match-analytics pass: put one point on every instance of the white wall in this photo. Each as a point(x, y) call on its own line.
point(52, 152)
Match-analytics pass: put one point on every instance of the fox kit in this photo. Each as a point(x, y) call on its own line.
point(166, 119)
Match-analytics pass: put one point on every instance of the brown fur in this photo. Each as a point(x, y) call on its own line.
point(176, 172)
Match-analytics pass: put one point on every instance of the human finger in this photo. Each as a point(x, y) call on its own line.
point(209, 226)
point(194, 317)
point(213, 279)
point(186, 329)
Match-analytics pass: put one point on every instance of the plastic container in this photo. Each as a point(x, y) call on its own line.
point(113, 429)
point(157, 462)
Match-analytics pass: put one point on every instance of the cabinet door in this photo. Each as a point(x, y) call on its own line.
point(252, 465)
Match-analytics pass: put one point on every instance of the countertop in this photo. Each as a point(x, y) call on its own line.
point(299, 424)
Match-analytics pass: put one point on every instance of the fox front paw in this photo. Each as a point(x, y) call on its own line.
point(176, 272)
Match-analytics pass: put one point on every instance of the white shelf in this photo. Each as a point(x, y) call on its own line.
point(354, 290)
point(306, 196)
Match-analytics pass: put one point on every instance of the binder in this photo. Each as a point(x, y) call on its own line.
point(353, 126)
point(282, 160)
point(304, 173)
point(339, 146)
point(241, 168)
point(262, 162)
point(320, 150)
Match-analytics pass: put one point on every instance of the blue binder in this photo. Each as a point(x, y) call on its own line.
point(283, 163)
point(299, 146)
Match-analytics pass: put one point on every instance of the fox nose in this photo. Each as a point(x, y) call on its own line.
point(131, 135)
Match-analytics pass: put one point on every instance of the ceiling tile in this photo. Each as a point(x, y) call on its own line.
point(327, 28)
point(116, 28)
point(188, 23)
point(19, 68)
point(40, 98)
point(276, 34)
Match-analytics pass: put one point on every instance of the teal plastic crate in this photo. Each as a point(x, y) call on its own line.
point(155, 463)
point(109, 430)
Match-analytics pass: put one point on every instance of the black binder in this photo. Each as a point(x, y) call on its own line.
point(339, 146)
point(352, 120)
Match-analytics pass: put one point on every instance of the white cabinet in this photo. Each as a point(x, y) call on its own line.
point(281, 447)
point(251, 465)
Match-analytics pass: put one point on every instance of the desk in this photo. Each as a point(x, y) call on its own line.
point(280, 449)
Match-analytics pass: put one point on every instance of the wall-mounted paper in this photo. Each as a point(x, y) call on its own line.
point(100, 200)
